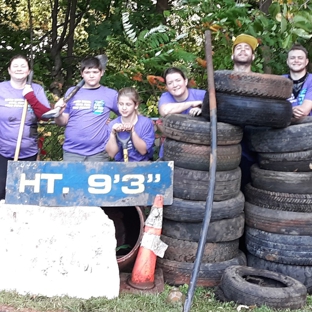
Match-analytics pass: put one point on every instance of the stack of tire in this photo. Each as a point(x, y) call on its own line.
point(279, 201)
point(251, 99)
point(188, 145)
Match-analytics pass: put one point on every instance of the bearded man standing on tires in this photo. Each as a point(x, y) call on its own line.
point(301, 98)
point(243, 54)
point(243, 50)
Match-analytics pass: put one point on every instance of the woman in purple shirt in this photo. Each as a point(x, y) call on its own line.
point(180, 99)
point(13, 94)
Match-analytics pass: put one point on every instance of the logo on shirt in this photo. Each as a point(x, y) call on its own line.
point(301, 96)
point(98, 107)
point(299, 99)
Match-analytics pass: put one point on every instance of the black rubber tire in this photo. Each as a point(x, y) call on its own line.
point(197, 157)
point(181, 127)
point(250, 286)
point(294, 138)
point(287, 162)
point(194, 211)
point(287, 249)
point(193, 184)
point(254, 111)
point(253, 84)
point(282, 182)
point(185, 251)
point(301, 273)
point(209, 275)
point(219, 231)
point(278, 201)
point(277, 221)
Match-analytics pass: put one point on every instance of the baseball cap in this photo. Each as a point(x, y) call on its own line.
point(252, 41)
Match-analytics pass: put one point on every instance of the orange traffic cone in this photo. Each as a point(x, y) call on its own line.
point(143, 273)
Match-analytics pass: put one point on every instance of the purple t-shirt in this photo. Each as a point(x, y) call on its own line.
point(11, 105)
point(86, 130)
point(144, 128)
point(193, 95)
point(304, 94)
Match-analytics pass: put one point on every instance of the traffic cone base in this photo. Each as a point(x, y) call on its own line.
point(141, 286)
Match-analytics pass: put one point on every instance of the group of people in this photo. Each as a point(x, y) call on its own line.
point(89, 133)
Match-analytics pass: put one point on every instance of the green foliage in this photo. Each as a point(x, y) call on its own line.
point(285, 24)
point(147, 42)
point(52, 137)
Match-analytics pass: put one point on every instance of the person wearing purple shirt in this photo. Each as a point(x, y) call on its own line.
point(301, 99)
point(180, 99)
point(13, 94)
point(86, 114)
point(131, 123)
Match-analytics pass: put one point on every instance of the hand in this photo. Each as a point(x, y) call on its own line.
point(117, 127)
point(195, 111)
point(297, 112)
point(61, 105)
point(27, 89)
point(128, 127)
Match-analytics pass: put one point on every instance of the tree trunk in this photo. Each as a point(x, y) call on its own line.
point(62, 34)
point(264, 7)
point(161, 6)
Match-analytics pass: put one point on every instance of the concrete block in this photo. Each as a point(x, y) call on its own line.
point(56, 251)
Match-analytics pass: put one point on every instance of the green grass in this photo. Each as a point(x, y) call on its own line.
point(203, 301)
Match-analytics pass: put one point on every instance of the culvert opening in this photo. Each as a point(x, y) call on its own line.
point(129, 224)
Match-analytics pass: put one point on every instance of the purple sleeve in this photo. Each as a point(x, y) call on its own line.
point(166, 98)
point(67, 107)
point(115, 105)
point(147, 132)
point(308, 86)
point(40, 95)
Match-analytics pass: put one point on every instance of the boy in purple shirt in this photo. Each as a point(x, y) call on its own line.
point(86, 114)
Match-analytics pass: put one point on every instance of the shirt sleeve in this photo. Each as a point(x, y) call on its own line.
point(38, 108)
point(308, 95)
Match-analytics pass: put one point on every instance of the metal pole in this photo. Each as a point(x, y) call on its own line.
point(212, 173)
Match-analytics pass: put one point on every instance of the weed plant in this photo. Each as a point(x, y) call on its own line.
point(203, 301)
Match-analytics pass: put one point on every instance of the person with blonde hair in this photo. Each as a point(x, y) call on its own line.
point(130, 124)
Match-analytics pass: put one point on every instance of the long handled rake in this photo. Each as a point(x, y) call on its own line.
point(29, 81)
